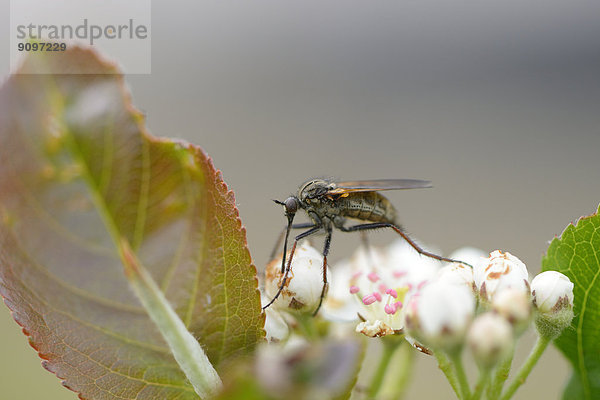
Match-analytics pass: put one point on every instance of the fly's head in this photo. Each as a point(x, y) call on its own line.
point(290, 205)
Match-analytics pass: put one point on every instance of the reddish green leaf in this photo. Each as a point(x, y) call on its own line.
point(78, 174)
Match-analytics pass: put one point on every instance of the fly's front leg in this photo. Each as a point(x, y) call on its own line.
point(288, 265)
point(282, 234)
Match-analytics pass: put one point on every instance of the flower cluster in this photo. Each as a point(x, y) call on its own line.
point(480, 303)
point(442, 307)
point(439, 307)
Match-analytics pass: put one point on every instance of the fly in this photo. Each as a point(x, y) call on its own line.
point(331, 204)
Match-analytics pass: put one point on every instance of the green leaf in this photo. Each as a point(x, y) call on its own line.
point(573, 390)
point(577, 255)
point(80, 174)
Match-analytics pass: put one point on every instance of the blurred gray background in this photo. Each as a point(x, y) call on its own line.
point(497, 103)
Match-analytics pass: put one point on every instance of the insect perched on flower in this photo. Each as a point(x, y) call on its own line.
point(330, 204)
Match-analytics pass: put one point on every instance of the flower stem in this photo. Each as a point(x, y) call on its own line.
point(484, 379)
point(534, 356)
point(399, 372)
point(500, 376)
point(446, 367)
point(463, 383)
point(384, 361)
point(306, 324)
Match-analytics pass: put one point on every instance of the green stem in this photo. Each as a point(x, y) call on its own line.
point(463, 383)
point(306, 324)
point(384, 361)
point(534, 356)
point(500, 376)
point(446, 367)
point(406, 361)
point(399, 372)
point(484, 379)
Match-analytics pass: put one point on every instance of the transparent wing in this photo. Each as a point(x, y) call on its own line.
point(377, 185)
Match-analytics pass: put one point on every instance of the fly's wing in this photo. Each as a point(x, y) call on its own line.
point(377, 185)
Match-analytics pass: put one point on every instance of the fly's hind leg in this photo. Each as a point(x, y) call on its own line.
point(404, 235)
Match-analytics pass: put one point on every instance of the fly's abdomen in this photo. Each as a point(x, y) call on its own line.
point(368, 206)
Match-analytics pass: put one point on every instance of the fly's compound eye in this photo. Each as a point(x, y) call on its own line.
point(291, 205)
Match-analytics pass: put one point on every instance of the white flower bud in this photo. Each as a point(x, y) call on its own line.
point(470, 255)
point(553, 298)
point(302, 291)
point(515, 306)
point(457, 274)
point(552, 291)
point(438, 315)
point(500, 271)
point(275, 326)
point(490, 339)
point(403, 259)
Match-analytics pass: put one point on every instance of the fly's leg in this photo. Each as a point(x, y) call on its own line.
point(399, 231)
point(325, 253)
point(282, 234)
point(309, 232)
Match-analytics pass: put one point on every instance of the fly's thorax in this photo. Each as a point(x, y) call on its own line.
point(321, 209)
point(313, 190)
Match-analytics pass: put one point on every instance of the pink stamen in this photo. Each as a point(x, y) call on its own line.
point(357, 275)
point(354, 289)
point(373, 277)
point(382, 288)
point(377, 296)
point(398, 304)
point(369, 299)
point(392, 293)
point(399, 274)
point(390, 309)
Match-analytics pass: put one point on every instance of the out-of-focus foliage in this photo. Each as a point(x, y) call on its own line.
point(321, 370)
point(79, 174)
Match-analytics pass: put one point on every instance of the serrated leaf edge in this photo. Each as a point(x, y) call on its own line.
point(581, 370)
